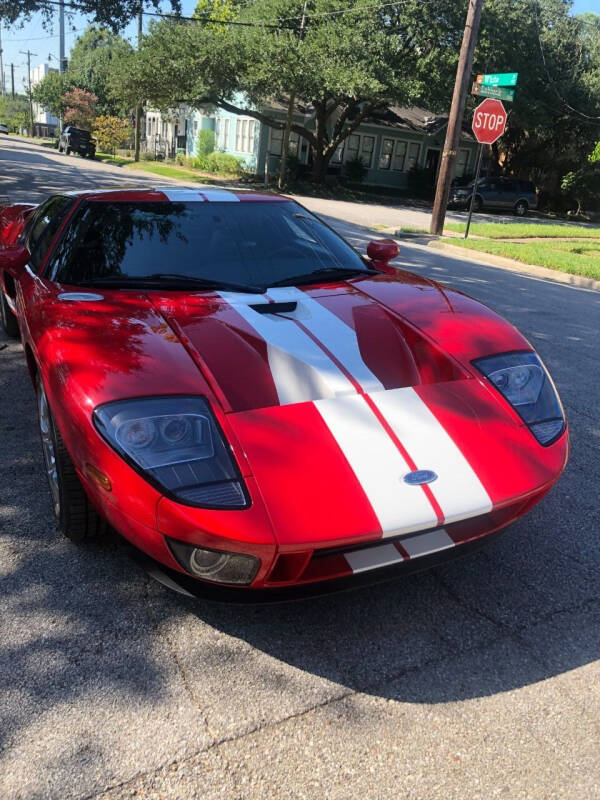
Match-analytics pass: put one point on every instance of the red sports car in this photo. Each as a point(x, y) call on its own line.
point(256, 406)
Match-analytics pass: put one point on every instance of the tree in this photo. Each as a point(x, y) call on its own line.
point(111, 132)
point(93, 59)
point(583, 185)
point(80, 108)
point(49, 92)
point(15, 112)
point(113, 13)
point(344, 69)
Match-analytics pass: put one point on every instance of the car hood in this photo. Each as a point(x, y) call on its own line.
point(336, 394)
point(293, 345)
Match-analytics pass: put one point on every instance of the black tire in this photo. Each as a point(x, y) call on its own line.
point(521, 208)
point(76, 517)
point(68, 151)
point(478, 203)
point(60, 148)
point(9, 323)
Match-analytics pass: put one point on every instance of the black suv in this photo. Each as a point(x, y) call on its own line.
point(520, 196)
point(76, 140)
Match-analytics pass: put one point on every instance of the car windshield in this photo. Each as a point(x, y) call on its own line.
point(249, 244)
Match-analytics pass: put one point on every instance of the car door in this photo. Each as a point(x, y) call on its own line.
point(38, 237)
point(508, 192)
point(490, 192)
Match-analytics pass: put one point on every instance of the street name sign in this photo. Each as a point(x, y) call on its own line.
point(498, 79)
point(489, 121)
point(493, 91)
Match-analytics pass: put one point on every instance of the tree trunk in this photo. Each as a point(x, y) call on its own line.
point(320, 163)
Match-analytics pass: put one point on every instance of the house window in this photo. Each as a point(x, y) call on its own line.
point(367, 146)
point(352, 147)
point(226, 134)
point(461, 163)
point(357, 145)
point(276, 143)
point(385, 158)
point(413, 155)
point(400, 156)
point(244, 136)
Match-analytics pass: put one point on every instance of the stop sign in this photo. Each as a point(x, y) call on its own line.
point(489, 120)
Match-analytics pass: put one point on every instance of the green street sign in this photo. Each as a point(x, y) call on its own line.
point(498, 79)
point(493, 91)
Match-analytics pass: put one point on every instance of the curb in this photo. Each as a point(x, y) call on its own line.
point(577, 281)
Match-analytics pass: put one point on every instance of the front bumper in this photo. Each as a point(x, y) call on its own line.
point(191, 587)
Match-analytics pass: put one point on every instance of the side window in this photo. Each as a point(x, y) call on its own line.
point(44, 227)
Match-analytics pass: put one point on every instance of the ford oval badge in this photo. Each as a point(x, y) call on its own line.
point(420, 476)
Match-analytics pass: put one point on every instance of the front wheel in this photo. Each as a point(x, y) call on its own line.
point(77, 519)
point(477, 203)
point(68, 151)
point(9, 323)
point(521, 208)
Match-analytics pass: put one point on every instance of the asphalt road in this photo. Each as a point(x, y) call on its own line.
point(477, 680)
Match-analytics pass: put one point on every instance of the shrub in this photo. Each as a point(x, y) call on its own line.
point(205, 143)
point(111, 132)
point(224, 163)
point(147, 156)
point(355, 170)
point(180, 159)
point(419, 181)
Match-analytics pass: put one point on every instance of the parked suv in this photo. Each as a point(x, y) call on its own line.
point(76, 140)
point(520, 196)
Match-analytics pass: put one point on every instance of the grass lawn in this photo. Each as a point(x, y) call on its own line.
point(168, 171)
point(576, 258)
point(108, 158)
point(525, 230)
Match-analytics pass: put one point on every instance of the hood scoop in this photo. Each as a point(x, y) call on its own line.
point(274, 308)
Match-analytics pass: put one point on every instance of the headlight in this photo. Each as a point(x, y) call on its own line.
point(524, 381)
point(176, 443)
point(215, 565)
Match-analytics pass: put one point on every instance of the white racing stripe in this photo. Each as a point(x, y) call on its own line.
point(427, 543)
point(301, 370)
point(337, 337)
point(457, 488)
point(182, 195)
point(373, 557)
point(378, 465)
point(220, 196)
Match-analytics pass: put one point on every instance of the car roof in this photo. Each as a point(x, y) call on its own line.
point(175, 194)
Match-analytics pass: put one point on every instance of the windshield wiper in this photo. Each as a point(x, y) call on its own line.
point(159, 279)
point(324, 273)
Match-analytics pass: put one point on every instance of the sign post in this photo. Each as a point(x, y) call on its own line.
point(489, 121)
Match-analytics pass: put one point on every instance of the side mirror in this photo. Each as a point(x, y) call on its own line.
point(381, 252)
point(13, 258)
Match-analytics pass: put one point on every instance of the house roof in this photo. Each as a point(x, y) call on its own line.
point(405, 118)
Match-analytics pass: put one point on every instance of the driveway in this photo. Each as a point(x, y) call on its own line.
point(479, 679)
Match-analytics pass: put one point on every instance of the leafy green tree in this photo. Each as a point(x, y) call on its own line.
point(113, 13)
point(49, 92)
point(342, 68)
point(93, 59)
point(15, 112)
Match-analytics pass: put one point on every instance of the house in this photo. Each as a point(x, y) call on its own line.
point(164, 134)
point(44, 123)
point(389, 144)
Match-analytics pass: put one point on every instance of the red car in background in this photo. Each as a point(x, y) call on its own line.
point(257, 407)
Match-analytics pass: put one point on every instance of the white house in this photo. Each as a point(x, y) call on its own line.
point(45, 123)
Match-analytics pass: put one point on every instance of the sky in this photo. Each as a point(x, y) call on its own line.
point(44, 43)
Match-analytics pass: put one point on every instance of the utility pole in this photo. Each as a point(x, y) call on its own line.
point(138, 108)
point(29, 54)
point(62, 64)
point(12, 80)
point(461, 85)
point(290, 113)
point(2, 64)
